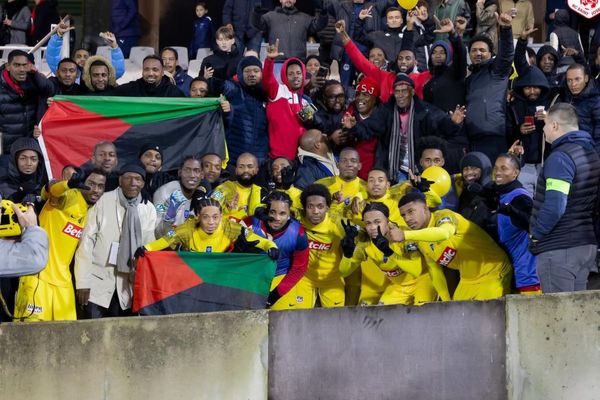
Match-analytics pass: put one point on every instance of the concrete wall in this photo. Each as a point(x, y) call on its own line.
point(553, 346)
point(438, 351)
point(523, 348)
point(201, 356)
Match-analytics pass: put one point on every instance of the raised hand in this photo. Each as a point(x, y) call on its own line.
point(77, 180)
point(340, 26)
point(458, 115)
point(446, 26)
point(347, 243)
point(365, 13)
point(528, 30)
point(504, 20)
point(110, 39)
point(288, 177)
point(382, 243)
point(273, 50)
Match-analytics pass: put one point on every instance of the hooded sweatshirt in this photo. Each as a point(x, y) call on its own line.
point(14, 185)
point(285, 127)
point(475, 199)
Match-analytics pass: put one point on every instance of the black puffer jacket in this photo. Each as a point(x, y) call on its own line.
point(291, 27)
point(14, 185)
point(19, 112)
point(139, 88)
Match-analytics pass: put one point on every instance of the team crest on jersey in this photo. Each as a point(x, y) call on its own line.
point(217, 195)
point(73, 230)
point(299, 299)
point(411, 247)
point(314, 245)
point(447, 256)
point(208, 249)
point(587, 8)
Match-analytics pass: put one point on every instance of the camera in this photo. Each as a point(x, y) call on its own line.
point(9, 225)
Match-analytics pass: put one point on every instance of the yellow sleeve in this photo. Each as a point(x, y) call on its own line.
point(434, 234)
point(255, 201)
point(349, 265)
point(159, 244)
point(412, 265)
point(438, 279)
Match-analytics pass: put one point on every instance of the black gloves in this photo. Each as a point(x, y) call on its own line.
point(273, 297)
point(505, 209)
point(273, 253)
point(288, 177)
point(242, 245)
point(262, 214)
point(475, 188)
point(77, 180)
point(382, 244)
point(29, 199)
point(347, 243)
point(140, 252)
point(423, 185)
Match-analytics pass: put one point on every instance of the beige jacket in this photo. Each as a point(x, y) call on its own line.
point(92, 270)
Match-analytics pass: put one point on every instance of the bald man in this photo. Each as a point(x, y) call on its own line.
point(235, 196)
point(316, 160)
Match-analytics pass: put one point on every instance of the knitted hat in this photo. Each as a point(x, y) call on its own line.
point(248, 61)
point(147, 147)
point(368, 85)
point(133, 167)
point(403, 79)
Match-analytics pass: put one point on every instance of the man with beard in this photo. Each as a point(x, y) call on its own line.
point(234, 196)
point(49, 296)
point(104, 157)
point(316, 159)
point(98, 76)
point(151, 157)
point(285, 103)
point(170, 60)
point(118, 224)
point(486, 90)
point(400, 123)
point(248, 127)
point(526, 117)
point(173, 200)
point(21, 89)
point(65, 79)
point(331, 110)
point(153, 83)
point(290, 26)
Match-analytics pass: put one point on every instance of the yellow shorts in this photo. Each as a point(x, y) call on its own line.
point(304, 294)
point(373, 283)
point(415, 292)
point(41, 301)
point(288, 300)
point(352, 285)
point(484, 288)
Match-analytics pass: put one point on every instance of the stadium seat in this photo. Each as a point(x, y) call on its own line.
point(203, 53)
point(103, 51)
point(133, 71)
point(138, 53)
point(182, 56)
point(194, 68)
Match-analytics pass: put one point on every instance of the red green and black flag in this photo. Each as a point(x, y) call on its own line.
point(170, 282)
point(180, 126)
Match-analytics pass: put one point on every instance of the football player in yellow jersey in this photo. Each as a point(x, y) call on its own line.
point(322, 279)
point(234, 196)
point(343, 189)
point(446, 239)
point(49, 295)
point(401, 263)
point(209, 232)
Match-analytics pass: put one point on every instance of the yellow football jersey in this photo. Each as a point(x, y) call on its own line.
point(63, 218)
point(191, 238)
point(453, 241)
point(324, 249)
point(354, 188)
point(226, 192)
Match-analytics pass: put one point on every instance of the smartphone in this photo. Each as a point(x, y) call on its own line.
point(323, 72)
point(529, 119)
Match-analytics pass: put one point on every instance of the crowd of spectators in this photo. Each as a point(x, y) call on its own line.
point(447, 161)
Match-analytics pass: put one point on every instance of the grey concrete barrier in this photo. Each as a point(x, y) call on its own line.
point(445, 351)
point(553, 346)
point(185, 356)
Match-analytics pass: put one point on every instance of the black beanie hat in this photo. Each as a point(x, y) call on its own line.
point(248, 61)
point(147, 147)
point(471, 160)
point(133, 167)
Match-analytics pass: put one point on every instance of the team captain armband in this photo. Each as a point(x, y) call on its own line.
point(558, 185)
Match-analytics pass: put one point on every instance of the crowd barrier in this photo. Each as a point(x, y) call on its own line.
point(521, 348)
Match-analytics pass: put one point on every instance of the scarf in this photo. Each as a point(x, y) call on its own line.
point(131, 234)
point(401, 145)
point(328, 162)
point(12, 84)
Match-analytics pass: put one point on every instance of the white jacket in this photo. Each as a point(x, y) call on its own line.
point(92, 270)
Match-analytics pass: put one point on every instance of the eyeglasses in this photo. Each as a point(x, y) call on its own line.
point(340, 96)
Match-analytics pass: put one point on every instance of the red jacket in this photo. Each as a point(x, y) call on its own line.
point(285, 128)
point(385, 78)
